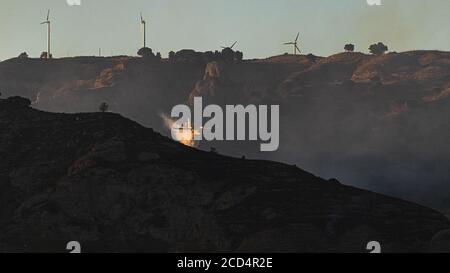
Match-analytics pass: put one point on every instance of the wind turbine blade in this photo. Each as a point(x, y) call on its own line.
point(299, 51)
point(233, 45)
point(48, 15)
point(296, 39)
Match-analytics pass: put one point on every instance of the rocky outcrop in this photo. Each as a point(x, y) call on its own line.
point(116, 186)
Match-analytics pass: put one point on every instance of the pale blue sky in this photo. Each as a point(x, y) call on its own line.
point(260, 26)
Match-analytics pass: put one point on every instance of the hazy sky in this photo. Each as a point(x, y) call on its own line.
point(260, 26)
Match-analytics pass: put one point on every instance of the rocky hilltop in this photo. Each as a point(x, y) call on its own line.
point(113, 185)
point(376, 122)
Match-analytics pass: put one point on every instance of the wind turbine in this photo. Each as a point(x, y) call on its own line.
point(143, 24)
point(47, 22)
point(295, 44)
point(230, 47)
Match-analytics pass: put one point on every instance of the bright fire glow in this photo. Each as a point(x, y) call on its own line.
point(185, 133)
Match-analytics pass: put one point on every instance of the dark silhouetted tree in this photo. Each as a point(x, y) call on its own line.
point(172, 56)
point(158, 56)
point(23, 55)
point(146, 52)
point(103, 107)
point(238, 55)
point(378, 49)
point(349, 47)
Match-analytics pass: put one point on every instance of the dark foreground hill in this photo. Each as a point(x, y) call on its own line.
point(114, 185)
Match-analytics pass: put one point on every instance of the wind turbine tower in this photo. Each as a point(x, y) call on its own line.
point(144, 24)
point(295, 44)
point(47, 22)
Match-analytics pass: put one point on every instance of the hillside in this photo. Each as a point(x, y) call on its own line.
point(114, 185)
point(376, 122)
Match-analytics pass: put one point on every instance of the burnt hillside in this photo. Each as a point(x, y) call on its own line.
point(114, 185)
